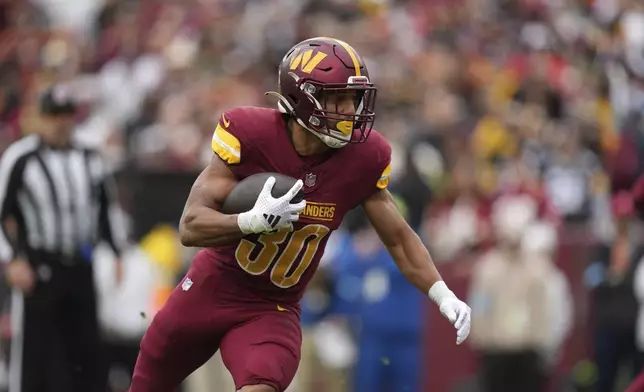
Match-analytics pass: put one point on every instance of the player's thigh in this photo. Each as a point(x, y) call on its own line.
point(264, 351)
point(182, 336)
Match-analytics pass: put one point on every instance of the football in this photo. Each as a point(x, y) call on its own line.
point(243, 196)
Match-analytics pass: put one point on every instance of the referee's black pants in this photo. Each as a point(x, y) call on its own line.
point(56, 340)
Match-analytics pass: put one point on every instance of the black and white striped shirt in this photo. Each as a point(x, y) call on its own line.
point(62, 200)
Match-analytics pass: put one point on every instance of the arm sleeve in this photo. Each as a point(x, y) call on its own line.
point(383, 180)
point(375, 161)
point(230, 142)
point(382, 168)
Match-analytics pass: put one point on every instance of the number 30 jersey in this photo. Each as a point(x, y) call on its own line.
point(277, 266)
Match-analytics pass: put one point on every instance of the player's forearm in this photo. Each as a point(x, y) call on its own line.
point(205, 227)
point(414, 261)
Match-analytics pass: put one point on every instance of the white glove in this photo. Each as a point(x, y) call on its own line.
point(453, 309)
point(270, 214)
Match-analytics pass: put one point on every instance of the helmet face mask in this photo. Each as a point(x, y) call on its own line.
point(324, 84)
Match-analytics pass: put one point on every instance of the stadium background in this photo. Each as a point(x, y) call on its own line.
point(492, 107)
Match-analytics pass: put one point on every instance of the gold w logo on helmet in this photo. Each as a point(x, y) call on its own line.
point(307, 61)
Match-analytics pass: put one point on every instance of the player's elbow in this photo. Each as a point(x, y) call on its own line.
point(399, 236)
point(207, 228)
point(187, 238)
point(401, 259)
point(404, 247)
point(187, 233)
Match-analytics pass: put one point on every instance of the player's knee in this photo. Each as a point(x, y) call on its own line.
point(257, 388)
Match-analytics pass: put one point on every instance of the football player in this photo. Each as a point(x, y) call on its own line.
point(242, 291)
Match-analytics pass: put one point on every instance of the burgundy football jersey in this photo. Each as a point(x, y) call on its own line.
point(277, 266)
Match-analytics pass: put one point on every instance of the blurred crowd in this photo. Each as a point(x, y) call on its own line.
point(515, 125)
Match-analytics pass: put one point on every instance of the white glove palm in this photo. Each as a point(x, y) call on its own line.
point(269, 213)
point(453, 309)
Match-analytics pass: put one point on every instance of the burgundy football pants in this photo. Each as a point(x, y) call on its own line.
point(259, 343)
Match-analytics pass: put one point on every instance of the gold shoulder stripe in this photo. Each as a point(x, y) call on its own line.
point(226, 146)
point(383, 181)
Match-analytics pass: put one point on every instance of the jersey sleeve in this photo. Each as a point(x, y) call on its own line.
point(231, 142)
point(380, 169)
point(226, 141)
point(383, 180)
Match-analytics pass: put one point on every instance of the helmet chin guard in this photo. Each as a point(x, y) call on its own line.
point(329, 140)
point(333, 142)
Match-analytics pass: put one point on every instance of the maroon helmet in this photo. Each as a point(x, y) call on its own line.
point(316, 69)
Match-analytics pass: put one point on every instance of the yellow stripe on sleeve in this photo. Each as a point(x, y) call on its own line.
point(383, 181)
point(226, 146)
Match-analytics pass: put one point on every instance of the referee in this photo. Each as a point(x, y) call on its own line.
point(60, 197)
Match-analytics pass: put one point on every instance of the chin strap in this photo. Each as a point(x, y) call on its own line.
point(285, 107)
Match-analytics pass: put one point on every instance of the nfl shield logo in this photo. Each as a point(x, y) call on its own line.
point(185, 286)
point(309, 180)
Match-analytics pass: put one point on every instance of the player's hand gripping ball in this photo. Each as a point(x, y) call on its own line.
point(265, 202)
